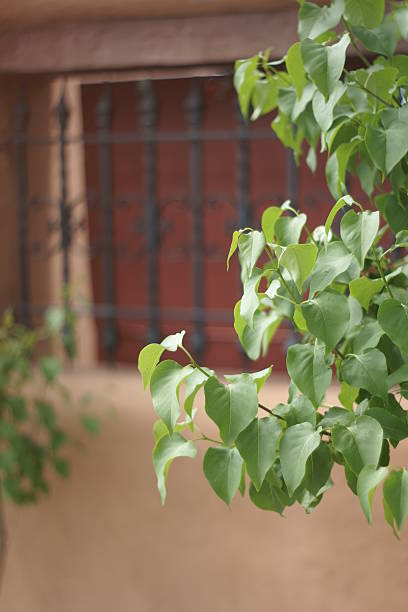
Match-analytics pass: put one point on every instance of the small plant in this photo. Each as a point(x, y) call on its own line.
point(32, 440)
point(343, 285)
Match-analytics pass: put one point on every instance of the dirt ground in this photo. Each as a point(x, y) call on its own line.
point(102, 542)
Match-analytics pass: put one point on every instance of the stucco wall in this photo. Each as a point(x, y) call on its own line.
point(102, 542)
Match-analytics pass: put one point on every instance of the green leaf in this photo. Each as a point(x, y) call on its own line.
point(223, 470)
point(149, 357)
point(299, 260)
point(245, 77)
point(17, 406)
point(318, 469)
point(325, 64)
point(358, 232)
point(270, 496)
point(308, 369)
point(55, 318)
point(299, 410)
point(295, 68)
point(259, 378)
point(382, 39)
point(393, 318)
point(327, 317)
point(323, 110)
point(393, 427)
point(330, 263)
point(381, 83)
point(297, 444)
point(232, 407)
point(167, 449)
point(360, 443)
point(285, 131)
point(269, 218)
point(194, 382)
point(368, 370)
point(336, 416)
point(91, 423)
point(50, 367)
point(348, 395)
point(364, 289)
point(46, 413)
point(400, 14)
point(257, 446)
point(389, 144)
point(234, 245)
point(62, 467)
point(265, 95)
point(395, 496)
point(250, 299)
point(164, 388)
point(289, 229)
point(314, 20)
point(399, 376)
point(368, 480)
point(367, 13)
point(250, 247)
point(258, 337)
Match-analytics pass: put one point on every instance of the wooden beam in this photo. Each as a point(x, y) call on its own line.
point(149, 43)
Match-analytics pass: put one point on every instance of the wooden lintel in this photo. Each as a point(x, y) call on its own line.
point(145, 43)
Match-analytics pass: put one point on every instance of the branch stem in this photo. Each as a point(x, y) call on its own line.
point(381, 271)
point(354, 44)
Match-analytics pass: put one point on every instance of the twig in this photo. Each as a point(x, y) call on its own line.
point(354, 44)
point(381, 271)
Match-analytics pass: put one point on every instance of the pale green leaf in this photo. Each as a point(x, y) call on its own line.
point(358, 232)
point(289, 229)
point(269, 218)
point(309, 371)
point(360, 442)
point(297, 444)
point(232, 407)
point(325, 64)
point(167, 449)
point(164, 388)
point(395, 494)
point(295, 68)
point(149, 357)
point(223, 470)
point(368, 480)
point(315, 20)
point(364, 289)
point(393, 318)
point(368, 370)
point(299, 260)
point(257, 446)
point(327, 317)
point(367, 13)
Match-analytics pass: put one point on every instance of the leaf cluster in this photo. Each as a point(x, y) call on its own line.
point(32, 440)
point(342, 285)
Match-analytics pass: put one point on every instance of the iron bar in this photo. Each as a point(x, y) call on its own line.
point(148, 118)
point(103, 119)
point(292, 179)
point(157, 137)
point(21, 120)
point(62, 115)
point(194, 110)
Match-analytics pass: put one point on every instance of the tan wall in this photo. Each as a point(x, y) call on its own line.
point(102, 542)
point(44, 266)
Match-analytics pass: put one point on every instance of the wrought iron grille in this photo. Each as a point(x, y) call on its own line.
point(149, 136)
